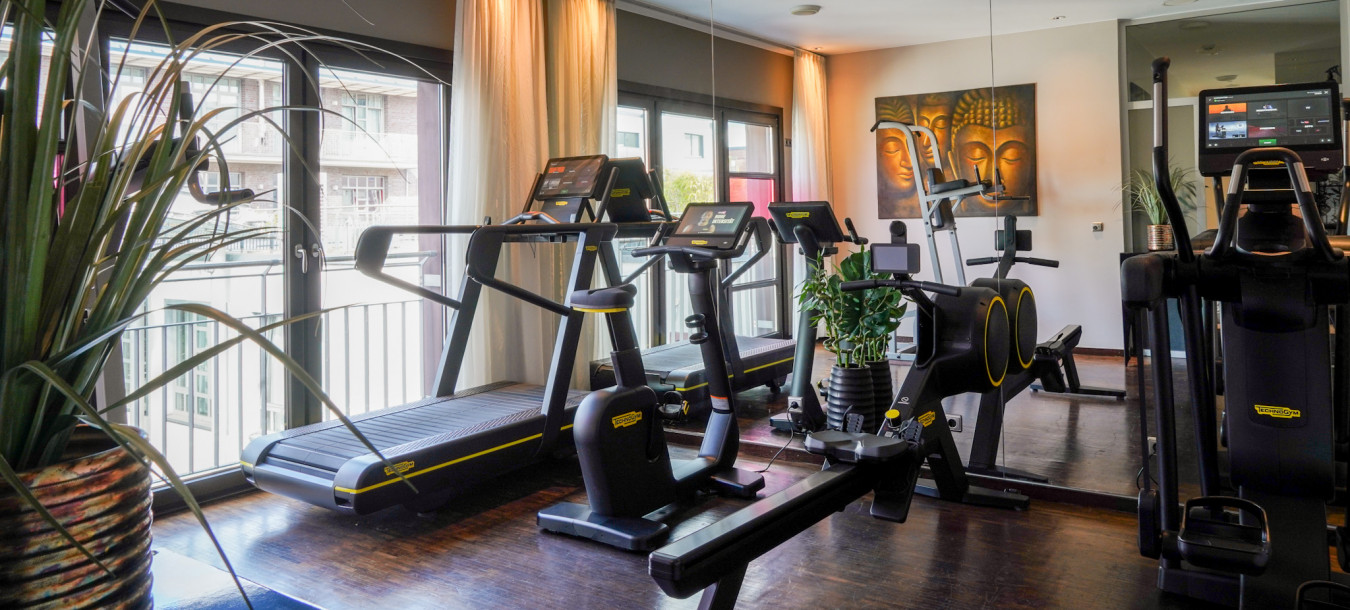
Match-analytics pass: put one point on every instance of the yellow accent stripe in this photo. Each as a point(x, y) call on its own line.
point(988, 313)
point(691, 388)
point(443, 465)
point(609, 310)
point(1017, 328)
point(245, 464)
point(765, 366)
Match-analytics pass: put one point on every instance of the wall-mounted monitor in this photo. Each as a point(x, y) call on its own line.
point(1302, 117)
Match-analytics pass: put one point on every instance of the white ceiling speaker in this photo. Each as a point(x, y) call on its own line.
point(806, 9)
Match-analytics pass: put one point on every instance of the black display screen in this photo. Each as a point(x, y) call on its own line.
point(1303, 117)
point(895, 258)
point(715, 220)
point(571, 177)
point(1273, 118)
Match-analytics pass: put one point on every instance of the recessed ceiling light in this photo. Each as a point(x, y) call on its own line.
point(815, 48)
point(1226, 78)
point(1177, 2)
point(806, 9)
point(1059, 18)
point(1209, 49)
point(1194, 24)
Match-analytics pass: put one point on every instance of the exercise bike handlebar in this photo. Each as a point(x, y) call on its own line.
point(935, 287)
point(989, 260)
point(694, 251)
point(853, 233)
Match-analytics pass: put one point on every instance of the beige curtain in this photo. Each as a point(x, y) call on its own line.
point(498, 143)
point(583, 104)
point(533, 79)
point(810, 142)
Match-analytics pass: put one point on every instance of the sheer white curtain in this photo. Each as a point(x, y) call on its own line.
point(498, 143)
point(810, 141)
point(532, 79)
point(583, 104)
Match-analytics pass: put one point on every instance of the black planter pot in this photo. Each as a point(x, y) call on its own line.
point(850, 400)
point(883, 392)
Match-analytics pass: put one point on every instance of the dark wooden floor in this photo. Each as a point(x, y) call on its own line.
point(1079, 442)
point(485, 552)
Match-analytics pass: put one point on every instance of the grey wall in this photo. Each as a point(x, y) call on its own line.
point(424, 22)
point(654, 52)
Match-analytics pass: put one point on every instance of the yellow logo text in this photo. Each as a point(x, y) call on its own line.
point(700, 242)
point(592, 248)
point(1278, 412)
point(561, 202)
point(400, 467)
point(798, 214)
point(627, 419)
point(927, 418)
point(620, 192)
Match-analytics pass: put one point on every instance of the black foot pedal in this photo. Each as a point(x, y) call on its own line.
point(737, 483)
point(1211, 538)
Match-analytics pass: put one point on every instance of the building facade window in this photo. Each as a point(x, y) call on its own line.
point(363, 112)
point(695, 143)
point(363, 192)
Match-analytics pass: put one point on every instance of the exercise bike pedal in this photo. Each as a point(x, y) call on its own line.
point(1211, 538)
point(673, 407)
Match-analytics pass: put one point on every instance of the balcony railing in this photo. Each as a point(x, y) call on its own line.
point(201, 421)
point(255, 139)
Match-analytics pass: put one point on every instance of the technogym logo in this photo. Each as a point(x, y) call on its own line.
point(1278, 412)
point(627, 419)
point(400, 467)
point(798, 214)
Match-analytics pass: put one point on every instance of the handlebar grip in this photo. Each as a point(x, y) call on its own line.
point(1044, 262)
point(690, 250)
point(987, 260)
point(951, 291)
point(859, 285)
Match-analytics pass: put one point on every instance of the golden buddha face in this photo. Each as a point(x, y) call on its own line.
point(893, 157)
point(1006, 150)
point(935, 113)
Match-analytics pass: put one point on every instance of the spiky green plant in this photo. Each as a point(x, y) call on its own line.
point(76, 272)
point(858, 324)
point(1142, 192)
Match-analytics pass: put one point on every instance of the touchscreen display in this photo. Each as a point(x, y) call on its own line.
point(716, 221)
point(571, 177)
point(1274, 118)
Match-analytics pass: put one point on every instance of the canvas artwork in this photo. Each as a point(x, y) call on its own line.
point(975, 128)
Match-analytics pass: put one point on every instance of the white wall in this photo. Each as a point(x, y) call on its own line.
point(425, 22)
point(1076, 72)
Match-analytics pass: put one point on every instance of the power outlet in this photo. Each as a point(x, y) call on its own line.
point(1098, 227)
point(1152, 445)
point(955, 423)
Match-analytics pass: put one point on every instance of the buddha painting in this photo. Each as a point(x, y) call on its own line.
point(979, 132)
point(897, 196)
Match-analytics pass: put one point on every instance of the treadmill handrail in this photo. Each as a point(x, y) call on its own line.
point(763, 235)
point(592, 232)
point(372, 250)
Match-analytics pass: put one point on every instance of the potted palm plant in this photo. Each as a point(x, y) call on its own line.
point(82, 246)
point(858, 325)
point(1142, 194)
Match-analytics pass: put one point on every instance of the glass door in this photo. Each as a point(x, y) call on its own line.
point(688, 170)
point(752, 159)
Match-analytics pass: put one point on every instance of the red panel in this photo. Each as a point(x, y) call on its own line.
point(756, 190)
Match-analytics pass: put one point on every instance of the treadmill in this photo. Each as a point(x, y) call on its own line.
point(678, 366)
point(431, 449)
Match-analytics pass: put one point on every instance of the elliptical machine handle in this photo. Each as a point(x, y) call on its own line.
point(690, 250)
point(1161, 174)
point(856, 285)
point(984, 260)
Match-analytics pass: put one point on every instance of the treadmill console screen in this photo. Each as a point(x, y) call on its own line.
point(895, 258)
point(711, 225)
point(817, 215)
point(1302, 117)
point(572, 177)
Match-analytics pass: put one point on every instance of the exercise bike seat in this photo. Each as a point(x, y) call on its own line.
point(614, 297)
point(855, 447)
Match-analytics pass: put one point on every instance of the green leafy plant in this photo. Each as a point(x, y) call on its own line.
point(682, 187)
point(80, 254)
point(858, 324)
point(1142, 192)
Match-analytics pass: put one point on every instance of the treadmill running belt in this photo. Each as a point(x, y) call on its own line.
point(330, 444)
point(685, 355)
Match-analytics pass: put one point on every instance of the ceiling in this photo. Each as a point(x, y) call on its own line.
point(1258, 47)
point(847, 26)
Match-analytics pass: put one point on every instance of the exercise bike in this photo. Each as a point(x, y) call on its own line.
point(813, 226)
point(625, 463)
